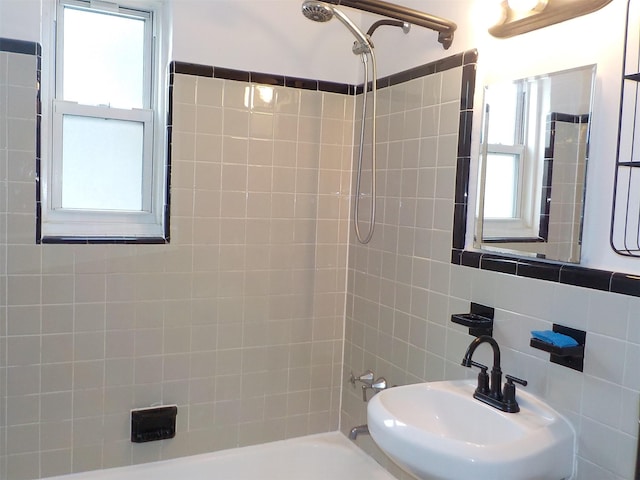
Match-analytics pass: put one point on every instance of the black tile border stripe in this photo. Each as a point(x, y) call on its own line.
point(104, 240)
point(10, 45)
point(223, 73)
point(575, 275)
point(191, 69)
point(567, 274)
point(461, 59)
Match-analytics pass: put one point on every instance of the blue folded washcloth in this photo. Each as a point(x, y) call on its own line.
point(554, 338)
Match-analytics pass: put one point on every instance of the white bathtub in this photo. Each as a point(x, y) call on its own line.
point(327, 456)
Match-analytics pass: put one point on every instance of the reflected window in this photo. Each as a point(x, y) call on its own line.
point(500, 200)
point(510, 167)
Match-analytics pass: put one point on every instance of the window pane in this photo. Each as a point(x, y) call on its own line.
point(500, 195)
point(102, 164)
point(503, 108)
point(103, 59)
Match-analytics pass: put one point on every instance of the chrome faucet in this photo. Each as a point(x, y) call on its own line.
point(489, 389)
point(368, 383)
point(360, 429)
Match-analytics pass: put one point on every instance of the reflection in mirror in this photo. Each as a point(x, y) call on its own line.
point(533, 158)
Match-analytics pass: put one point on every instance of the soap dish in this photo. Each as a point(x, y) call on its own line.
point(574, 351)
point(572, 357)
point(479, 320)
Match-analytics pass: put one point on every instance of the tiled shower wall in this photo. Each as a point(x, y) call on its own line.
point(397, 284)
point(17, 164)
point(402, 290)
point(238, 321)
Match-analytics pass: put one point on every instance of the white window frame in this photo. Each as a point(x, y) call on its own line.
point(148, 224)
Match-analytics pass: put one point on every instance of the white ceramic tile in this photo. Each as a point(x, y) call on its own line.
point(236, 95)
point(432, 88)
point(602, 401)
point(184, 89)
point(209, 91)
point(449, 118)
point(613, 308)
point(451, 80)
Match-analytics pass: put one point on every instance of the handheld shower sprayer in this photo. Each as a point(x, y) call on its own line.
point(323, 12)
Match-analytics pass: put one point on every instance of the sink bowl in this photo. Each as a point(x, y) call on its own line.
point(438, 431)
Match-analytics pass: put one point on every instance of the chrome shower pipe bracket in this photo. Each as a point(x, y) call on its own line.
point(444, 27)
point(360, 48)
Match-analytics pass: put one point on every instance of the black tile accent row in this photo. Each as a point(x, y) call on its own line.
point(465, 58)
point(605, 280)
point(436, 66)
point(10, 45)
point(191, 69)
point(569, 118)
point(260, 77)
point(168, 166)
point(104, 241)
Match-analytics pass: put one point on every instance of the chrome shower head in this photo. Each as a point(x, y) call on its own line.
point(323, 12)
point(317, 11)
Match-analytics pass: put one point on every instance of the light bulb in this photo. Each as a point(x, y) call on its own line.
point(523, 6)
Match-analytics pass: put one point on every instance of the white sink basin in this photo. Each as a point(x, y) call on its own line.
point(437, 430)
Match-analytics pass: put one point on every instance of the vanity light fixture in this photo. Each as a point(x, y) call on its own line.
point(521, 16)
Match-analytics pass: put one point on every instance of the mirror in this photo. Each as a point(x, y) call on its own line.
point(533, 158)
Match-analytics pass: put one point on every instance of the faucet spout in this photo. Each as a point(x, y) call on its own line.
point(360, 429)
point(494, 396)
point(495, 391)
point(466, 362)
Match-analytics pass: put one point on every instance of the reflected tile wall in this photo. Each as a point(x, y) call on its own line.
point(238, 321)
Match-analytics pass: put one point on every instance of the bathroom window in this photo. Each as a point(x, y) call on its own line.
point(104, 177)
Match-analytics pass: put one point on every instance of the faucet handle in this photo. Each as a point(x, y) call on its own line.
point(482, 367)
point(511, 379)
point(483, 377)
point(377, 386)
point(366, 378)
point(509, 393)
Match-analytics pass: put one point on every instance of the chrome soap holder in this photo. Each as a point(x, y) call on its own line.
point(479, 320)
point(571, 357)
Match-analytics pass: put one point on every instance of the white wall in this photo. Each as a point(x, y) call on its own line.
point(20, 19)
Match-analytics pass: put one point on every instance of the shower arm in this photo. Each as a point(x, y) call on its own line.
point(445, 28)
point(392, 23)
